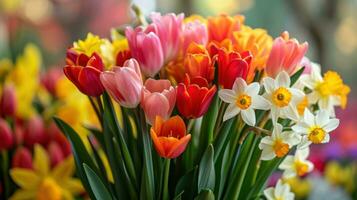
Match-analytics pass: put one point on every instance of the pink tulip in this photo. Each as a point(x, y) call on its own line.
point(6, 136)
point(285, 54)
point(35, 131)
point(124, 84)
point(194, 32)
point(145, 47)
point(158, 98)
point(8, 101)
point(169, 29)
point(305, 62)
point(55, 152)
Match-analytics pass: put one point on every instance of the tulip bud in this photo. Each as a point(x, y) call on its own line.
point(8, 101)
point(19, 134)
point(22, 158)
point(55, 153)
point(50, 79)
point(6, 136)
point(35, 131)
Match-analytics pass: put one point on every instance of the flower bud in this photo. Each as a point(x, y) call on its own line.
point(6, 136)
point(22, 158)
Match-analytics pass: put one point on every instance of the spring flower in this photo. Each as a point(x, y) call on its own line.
point(146, 48)
point(194, 97)
point(176, 71)
point(222, 27)
point(42, 183)
point(297, 164)
point(258, 42)
point(88, 46)
point(158, 99)
point(6, 136)
point(327, 91)
point(283, 98)
point(339, 175)
point(22, 158)
point(197, 62)
point(84, 72)
point(194, 32)
point(286, 54)
point(280, 192)
point(169, 137)
point(124, 84)
point(299, 186)
point(244, 99)
point(8, 101)
point(278, 144)
point(232, 65)
point(35, 131)
point(315, 129)
point(169, 28)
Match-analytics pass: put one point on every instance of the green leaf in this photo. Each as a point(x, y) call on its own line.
point(207, 127)
point(187, 184)
point(98, 188)
point(221, 140)
point(205, 195)
point(79, 152)
point(224, 170)
point(296, 76)
point(206, 172)
point(98, 134)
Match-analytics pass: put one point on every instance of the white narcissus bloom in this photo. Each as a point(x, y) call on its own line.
point(244, 99)
point(315, 129)
point(297, 164)
point(278, 144)
point(280, 192)
point(319, 95)
point(283, 98)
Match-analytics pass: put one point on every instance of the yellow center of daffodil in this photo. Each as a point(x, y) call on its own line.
point(244, 101)
point(301, 168)
point(49, 190)
point(316, 135)
point(281, 97)
point(302, 105)
point(280, 148)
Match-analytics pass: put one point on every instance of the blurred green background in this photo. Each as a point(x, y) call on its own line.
point(330, 26)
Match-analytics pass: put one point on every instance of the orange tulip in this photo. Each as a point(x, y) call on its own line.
point(222, 27)
point(198, 62)
point(169, 137)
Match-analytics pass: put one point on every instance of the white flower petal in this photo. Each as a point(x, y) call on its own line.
point(305, 143)
point(269, 84)
point(239, 85)
point(269, 193)
point(259, 102)
point(331, 125)
point(287, 163)
point(302, 154)
point(326, 139)
point(301, 128)
point(252, 89)
point(309, 118)
point(231, 111)
point(227, 96)
point(267, 154)
point(297, 95)
point(322, 118)
point(248, 116)
point(290, 112)
point(283, 79)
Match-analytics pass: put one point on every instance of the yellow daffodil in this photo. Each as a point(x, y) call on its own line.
point(337, 174)
point(44, 183)
point(300, 187)
point(89, 45)
point(25, 78)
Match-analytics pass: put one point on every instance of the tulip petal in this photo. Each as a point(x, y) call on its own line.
point(179, 147)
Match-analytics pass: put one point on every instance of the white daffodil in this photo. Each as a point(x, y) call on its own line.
point(280, 192)
point(297, 164)
point(320, 92)
point(283, 98)
point(278, 144)
point(315, 129)
point(244, 99)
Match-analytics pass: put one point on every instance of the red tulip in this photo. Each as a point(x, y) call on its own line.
point(22, 158)
point(6, 136)
point(50, 78)
point(194, 97)
point(169, 137)
point(8, 101)
point(35, 131)
point(232, 65)
point(84, 72)
point(55, 153)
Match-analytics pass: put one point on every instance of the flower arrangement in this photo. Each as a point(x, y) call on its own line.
point(36, 157)
point(209, 109)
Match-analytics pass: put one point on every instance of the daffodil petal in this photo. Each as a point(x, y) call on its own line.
point(25, 178)
point(41, 162)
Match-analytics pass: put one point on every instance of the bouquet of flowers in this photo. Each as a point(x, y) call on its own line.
point(36, 158)
point(208, 108)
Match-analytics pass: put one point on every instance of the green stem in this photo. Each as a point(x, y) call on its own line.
point(219, 120)
point(165, 195)
point(5, 161)
point(96, 110)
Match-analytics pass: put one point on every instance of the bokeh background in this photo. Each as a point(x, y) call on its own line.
point(330, 27)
